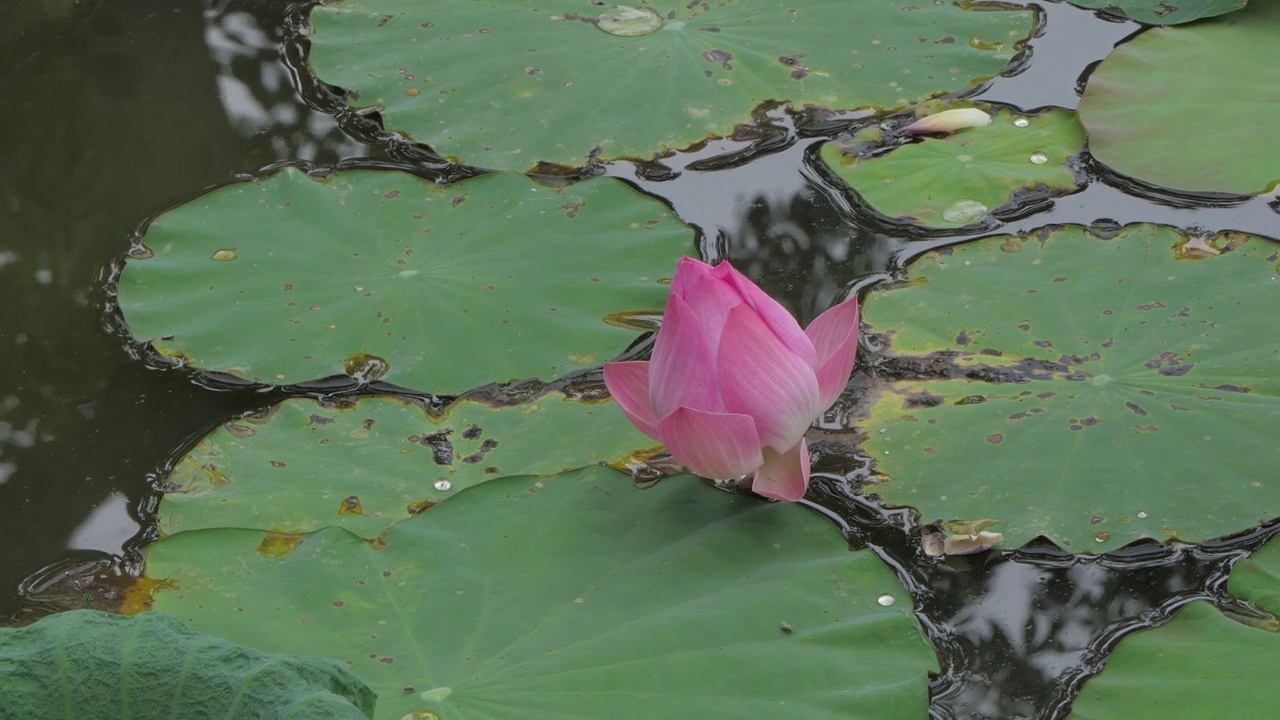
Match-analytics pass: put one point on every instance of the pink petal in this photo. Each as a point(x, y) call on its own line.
point(714, 445)
point(949, 121)
point(682, 372)
point(688, 272)
point(835, 337)
point(628, 383)
point(710, 298)
point(783, 476)
point(776, 317)
point(759, 376)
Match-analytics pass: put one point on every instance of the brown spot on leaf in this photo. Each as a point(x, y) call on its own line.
point(417, 508)
point(477, 456)
point(995, 438)
point(921, 399)
point(441, 447)
point(278, 544)
point(719, 57)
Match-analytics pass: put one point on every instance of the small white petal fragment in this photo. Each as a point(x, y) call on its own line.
point(933, 544)
point(949, 121)
point(971, 544)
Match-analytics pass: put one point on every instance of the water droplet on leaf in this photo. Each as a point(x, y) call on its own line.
point(443, 485)
point(628, 21)
point(366, 368)
point(224, 255)
point(964, 211)
point(886, 600)
point(1039, 158)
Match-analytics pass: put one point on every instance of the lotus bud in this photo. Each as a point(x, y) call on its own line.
point(948, 121)
point(734, 382)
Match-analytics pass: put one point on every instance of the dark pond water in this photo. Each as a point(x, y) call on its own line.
point(113, 111)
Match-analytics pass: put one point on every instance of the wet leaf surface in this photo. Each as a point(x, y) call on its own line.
point(956, 180)
point(1257, 580)
point(1092, 391)
point(577, 596)
point(386, 276)
point(362, 467)
point(1210, 130)
point(1198, 665)
point(561, 86)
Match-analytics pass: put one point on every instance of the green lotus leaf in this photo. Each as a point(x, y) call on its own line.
point(576, 596)
point(384, 275)
point(1164, 12)
point(507, 84)
point(954, 181)
point(1091, 391)
point(1257, 579)
point(1197, 665)
point(302, 466)
point(85, 664)
point(1208, 130)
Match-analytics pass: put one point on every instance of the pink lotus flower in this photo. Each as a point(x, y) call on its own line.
point(734, 382)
